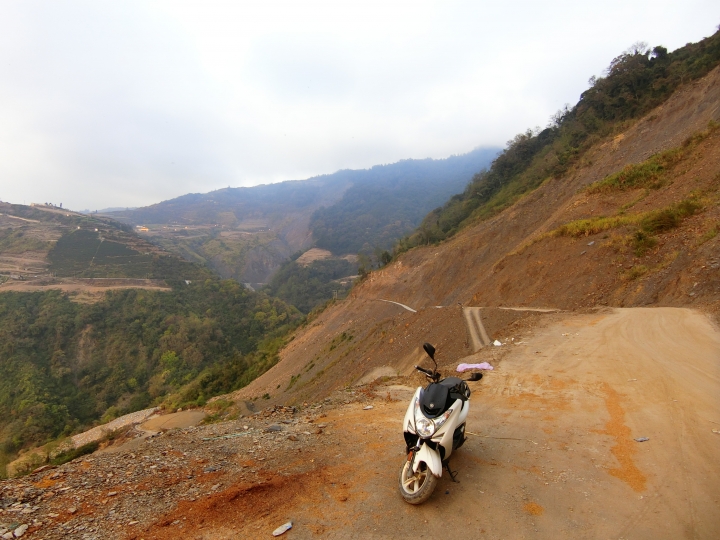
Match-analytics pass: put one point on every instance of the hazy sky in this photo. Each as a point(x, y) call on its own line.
point(128, 103)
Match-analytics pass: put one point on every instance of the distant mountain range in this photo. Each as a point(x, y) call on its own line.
point(247, 233)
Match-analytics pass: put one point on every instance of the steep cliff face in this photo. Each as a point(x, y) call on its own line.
point(635, 223)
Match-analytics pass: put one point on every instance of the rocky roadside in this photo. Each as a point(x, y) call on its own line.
point(121, 494)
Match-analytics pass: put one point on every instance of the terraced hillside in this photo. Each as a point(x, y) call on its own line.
point(45, 246)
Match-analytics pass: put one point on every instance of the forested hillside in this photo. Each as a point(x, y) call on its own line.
point(307, 286)
point(64, 365)
point(635, 82)
point(387, 201)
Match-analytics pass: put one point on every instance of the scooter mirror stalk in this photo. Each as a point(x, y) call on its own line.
point(431, 353)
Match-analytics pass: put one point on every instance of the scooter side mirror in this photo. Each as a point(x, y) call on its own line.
point(475, 376)
point(430, 350)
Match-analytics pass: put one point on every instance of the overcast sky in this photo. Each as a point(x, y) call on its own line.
point(129, 103)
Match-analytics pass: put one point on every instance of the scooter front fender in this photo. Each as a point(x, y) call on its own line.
point(431, 458)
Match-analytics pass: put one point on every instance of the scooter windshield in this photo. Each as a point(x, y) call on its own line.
point(433, 400)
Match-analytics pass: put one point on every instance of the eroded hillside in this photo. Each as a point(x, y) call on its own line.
point(580, 241)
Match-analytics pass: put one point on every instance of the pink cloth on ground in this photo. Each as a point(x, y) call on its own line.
point(466, 367)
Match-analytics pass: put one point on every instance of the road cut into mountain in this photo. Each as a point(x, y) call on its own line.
point(598, 425)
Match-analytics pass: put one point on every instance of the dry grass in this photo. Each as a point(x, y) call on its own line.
point(654, 172)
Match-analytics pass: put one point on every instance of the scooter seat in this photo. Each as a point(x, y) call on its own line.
point(451, 382)
point(457, 387)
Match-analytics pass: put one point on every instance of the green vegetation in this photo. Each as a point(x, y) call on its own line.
point(388, 201)
point(90, 253)
point(652, 222)
point(19, 240)
point(69, 455)
point(648, 224)
point(245, 257)
point(658, 221)
point(643, 242)
point(64, 366)
point(586, 227)
point(306, 287)
point(221, 410)
point(636, 81)
point(636, 272)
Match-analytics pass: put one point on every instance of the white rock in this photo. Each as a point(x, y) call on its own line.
point(282, 529)
point(20, 530)
point(497, 343)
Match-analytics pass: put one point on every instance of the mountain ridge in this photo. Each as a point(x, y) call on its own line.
point(247, 233)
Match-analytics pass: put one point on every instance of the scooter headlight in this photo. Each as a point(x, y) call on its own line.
point(424, 427)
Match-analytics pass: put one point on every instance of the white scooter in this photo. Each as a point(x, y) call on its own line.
point(434, 426)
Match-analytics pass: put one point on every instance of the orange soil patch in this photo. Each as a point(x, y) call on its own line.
point(45, 483)
point(624, 445)
point(533, 469)
point(245, 507)
point(553, 382)
point(527, 400)
point(534, 509)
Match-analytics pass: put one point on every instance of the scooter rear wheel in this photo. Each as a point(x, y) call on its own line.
point(416, 487)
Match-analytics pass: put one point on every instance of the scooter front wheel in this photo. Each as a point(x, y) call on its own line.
point(416, 487)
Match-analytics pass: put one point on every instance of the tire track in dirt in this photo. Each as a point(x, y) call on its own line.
point(478, 335)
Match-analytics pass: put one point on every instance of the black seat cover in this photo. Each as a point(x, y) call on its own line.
point(458, 389)
point(450, 382)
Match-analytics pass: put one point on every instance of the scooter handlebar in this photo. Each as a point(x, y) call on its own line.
point(425, 371)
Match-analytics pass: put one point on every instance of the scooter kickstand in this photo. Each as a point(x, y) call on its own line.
point(452, 474)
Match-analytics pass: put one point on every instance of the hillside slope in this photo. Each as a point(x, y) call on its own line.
point(95, 321)
point(658, 244)
point(46, 246)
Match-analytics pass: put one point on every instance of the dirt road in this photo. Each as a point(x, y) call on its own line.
point(554, 455)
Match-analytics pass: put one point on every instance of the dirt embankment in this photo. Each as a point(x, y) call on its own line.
point(84, 290)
